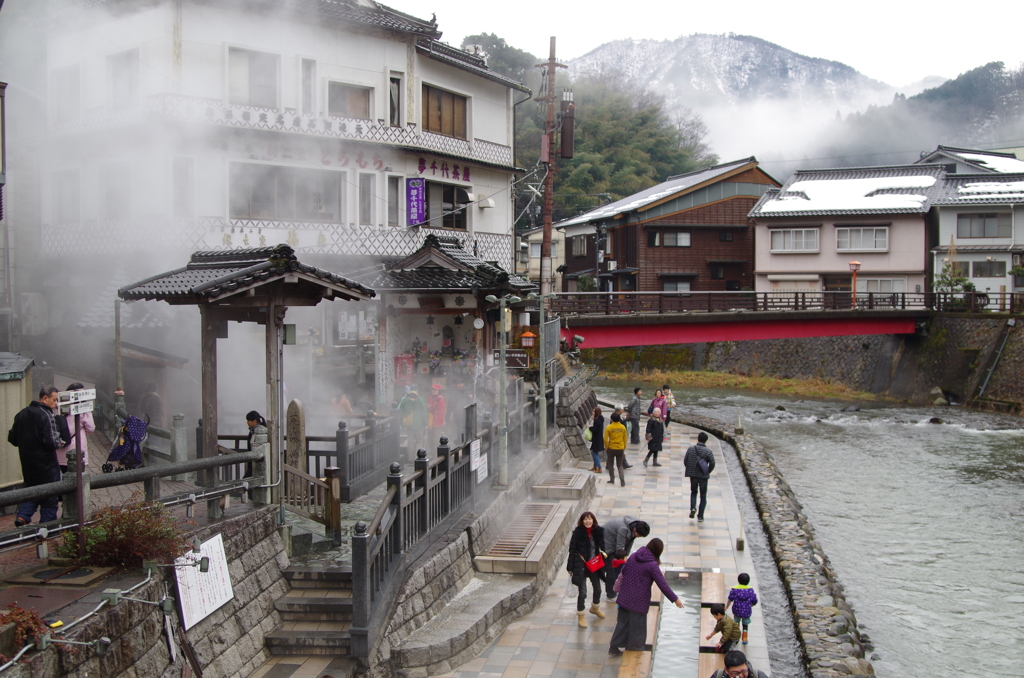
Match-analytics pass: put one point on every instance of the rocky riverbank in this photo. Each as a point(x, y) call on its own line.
point(826, 624)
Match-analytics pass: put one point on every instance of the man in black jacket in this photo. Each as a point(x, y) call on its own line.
point(737, 666)
point(36, 434)
point(698, 476)
point(633, 410)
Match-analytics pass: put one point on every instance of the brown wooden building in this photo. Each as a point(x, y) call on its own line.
point(688, 233)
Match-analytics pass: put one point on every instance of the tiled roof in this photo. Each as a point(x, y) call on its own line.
point(464, 271)
point(987, 162)
point(981, 189)
point(141, 314)
point(465, 61)
point(896, 189)
point(675, 185)
point(208, 275)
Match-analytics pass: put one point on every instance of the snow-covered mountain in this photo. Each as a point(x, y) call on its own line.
point(755, 96)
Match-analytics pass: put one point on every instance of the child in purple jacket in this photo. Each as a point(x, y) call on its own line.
point(745, 598)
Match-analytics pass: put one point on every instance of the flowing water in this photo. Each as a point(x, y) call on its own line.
point(921, 520)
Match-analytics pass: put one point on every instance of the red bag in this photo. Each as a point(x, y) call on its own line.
point(595, 563)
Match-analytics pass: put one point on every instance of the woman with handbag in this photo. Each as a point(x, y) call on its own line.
point(586, 563)
point(634, 586)
point(596, 430)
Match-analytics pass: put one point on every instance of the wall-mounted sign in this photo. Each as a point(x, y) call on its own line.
point(201, 593)
point(514, 359)
point(416, 200)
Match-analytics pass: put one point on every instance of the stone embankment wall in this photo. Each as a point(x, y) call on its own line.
point(442, 573)
point(826, 625)
point(953, 353)
point(228, 643)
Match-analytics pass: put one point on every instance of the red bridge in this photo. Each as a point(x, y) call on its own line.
point(614, 319)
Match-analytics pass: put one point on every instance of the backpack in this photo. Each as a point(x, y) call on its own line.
point(127, 447)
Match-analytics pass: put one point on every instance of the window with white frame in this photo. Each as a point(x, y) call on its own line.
point(675, 286)
point(535, 250)
point(993, 225)
point(124, 79)
point(395, 101)
point(394, 200)
point(366, 197)
point(269, 192)
point(795, 240)
point(252, 78)
point(308, 86)
point(862, 239)
point(348, 101)
point(579, 246)
point(882, 285)
point(668, 239)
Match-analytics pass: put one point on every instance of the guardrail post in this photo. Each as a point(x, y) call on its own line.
point(179, 443)
point(395, 478)
point(344, 464)
point(470, 421)
point(376, 459)
point(151, 486)
point(360, 591)
point(261, 468)
point(444, 467)
point(70, 511)
point(333, 508)
point(422, 465)
point(200, 475)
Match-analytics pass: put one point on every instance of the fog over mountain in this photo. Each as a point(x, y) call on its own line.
point(756, 97)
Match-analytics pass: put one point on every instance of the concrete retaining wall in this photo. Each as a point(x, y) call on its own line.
point(229, 643)
point(826, 625)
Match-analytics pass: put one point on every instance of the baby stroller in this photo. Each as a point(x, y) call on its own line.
point(127, 447)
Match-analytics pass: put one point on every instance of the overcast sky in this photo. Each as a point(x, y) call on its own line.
point(895, 41)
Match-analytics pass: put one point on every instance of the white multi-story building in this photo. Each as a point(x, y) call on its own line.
point(332, 125)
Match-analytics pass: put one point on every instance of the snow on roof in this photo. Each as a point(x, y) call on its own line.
point(674, 185)
point(820, 195)
point(996, 163)
point(988, 188)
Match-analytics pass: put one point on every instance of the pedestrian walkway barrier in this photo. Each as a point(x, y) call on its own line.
point(525, 546)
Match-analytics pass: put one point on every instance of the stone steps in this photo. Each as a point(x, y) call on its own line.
point(323, 643)
point(318, 577)
point(316, 613)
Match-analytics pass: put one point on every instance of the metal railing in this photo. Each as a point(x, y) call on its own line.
point(363, 454)
point(412, 510)
point(608, 303)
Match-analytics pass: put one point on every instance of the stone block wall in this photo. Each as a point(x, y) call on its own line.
point(825, 622)
point(229, 643)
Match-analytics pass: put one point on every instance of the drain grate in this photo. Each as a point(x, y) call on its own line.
point(558, 480)
point(523, 531)
point(42, 599)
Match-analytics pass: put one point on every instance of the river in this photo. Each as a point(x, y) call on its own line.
point(921, 520)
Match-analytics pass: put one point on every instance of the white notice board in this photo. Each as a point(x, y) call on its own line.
point(201, 593)
point(474, 455)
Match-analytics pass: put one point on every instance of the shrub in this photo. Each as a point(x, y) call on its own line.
point(29, 627)
point(124, 536)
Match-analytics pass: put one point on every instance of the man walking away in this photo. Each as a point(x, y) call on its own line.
point(619, 534)
point(699, 473)
point(615, 449)
point(633, 410)
point(36, 434)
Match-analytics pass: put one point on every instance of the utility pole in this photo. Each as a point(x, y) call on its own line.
point(548, 154)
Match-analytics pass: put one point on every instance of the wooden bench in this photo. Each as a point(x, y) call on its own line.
point(635, 664)
point(712, 588)
point(707, 625)
point(708, 663)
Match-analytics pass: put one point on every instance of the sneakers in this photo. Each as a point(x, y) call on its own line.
point(20, 522)
point(700, 519)
point(693, 512)
point(627, 466)
point(654, 464)
point(614, 652)
point(612, 481)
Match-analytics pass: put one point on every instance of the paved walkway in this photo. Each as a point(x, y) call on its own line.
point(547, 643)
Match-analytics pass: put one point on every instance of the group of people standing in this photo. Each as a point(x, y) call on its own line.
point(425, 420)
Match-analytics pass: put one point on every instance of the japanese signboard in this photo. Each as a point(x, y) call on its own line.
point(514, 359)
point(416, 200)
point(201, 593)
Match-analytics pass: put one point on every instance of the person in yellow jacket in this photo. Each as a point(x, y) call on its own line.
point(615, 439)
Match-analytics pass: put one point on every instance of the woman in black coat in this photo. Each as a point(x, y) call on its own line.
point(586, 542)
point(655, 436)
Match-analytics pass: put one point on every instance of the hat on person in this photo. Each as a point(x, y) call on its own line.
point(436, 387)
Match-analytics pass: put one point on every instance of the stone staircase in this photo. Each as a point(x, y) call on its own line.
point(316, 612)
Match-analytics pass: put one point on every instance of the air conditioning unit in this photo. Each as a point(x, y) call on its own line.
point(611, 265)
point(34, 314)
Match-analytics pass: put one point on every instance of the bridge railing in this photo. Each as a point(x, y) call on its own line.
point(609, 303)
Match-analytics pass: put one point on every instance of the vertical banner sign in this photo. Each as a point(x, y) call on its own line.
point(201, 593)
point(416, 200)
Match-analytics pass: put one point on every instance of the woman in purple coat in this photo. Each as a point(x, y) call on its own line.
point(642, 568)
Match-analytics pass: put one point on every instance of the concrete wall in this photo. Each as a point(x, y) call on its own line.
point(825, 622)
point(228, 643)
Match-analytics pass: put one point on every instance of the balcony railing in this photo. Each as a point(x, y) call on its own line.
point(180, 108)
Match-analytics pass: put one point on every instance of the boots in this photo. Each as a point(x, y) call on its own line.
point(596, 611)
point(582, 619)
point(744, 632)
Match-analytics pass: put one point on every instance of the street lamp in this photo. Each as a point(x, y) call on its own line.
point(502, 405)
point(854, 266)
